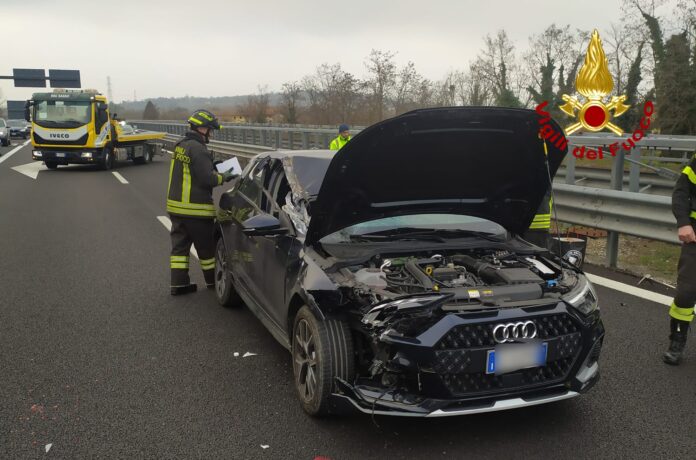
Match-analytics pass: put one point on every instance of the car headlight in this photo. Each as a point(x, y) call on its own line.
point(583, 297)
point(2, 133)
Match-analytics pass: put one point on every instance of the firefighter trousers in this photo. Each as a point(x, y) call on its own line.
point(683, 306)
point(185, 232)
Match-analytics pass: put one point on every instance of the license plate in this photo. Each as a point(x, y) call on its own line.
point(511, 357)
point(60, 155)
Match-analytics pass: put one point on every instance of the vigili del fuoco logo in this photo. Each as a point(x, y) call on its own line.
point(593, 112)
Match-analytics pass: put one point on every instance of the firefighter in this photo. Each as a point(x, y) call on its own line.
point(342, 139)
point(681, 311)
point(192, 177)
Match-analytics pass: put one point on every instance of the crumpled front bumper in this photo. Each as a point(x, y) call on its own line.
point(453, 381)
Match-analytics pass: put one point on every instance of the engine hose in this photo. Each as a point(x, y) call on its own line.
point(485, 271)
point(418, 274)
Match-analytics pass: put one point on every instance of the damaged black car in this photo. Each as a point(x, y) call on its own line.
point(395, 274)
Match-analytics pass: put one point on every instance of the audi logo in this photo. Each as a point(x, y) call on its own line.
point(503, 333)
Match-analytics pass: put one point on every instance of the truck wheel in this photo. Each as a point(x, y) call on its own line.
point(224, 291)
point(51, 165)
point(321, 351)
point(108, 160)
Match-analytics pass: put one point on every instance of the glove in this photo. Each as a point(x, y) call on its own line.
point(228, 176)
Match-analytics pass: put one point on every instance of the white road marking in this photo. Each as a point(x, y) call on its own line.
point(120, 178)
point(48, 446)
point(164, 220)
point(631, 290)
point(30, 169)
point(12, 152)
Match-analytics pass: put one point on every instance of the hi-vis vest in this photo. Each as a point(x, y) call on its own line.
point(542, 220)
point(192, 177)
point(338, 143)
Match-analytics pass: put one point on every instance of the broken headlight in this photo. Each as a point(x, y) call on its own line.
point(583, 297)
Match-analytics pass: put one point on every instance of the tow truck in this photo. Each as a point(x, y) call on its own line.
point(76, 127)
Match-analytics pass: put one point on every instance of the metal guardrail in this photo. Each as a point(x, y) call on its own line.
point(637, 214)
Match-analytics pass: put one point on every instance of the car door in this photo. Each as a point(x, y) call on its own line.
point(238, 205)
point(272, 250)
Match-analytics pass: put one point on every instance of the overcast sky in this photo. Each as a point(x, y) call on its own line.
point(224, 48)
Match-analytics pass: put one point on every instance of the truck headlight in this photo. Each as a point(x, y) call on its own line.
point(37, 153)
point(86, 155)
point(583, 296)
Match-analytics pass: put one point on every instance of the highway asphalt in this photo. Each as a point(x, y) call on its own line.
point(97, 360)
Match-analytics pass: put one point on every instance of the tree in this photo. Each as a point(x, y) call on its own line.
point(380, 81)
point(496, 65)
point(292, 98)
point(333, 95)
point(257, 106)
point(151, 112)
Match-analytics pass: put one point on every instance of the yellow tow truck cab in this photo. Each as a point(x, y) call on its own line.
point(76, 127)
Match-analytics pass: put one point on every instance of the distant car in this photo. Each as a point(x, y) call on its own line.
point(4, 133)
point(394, 272)
point(19, 128)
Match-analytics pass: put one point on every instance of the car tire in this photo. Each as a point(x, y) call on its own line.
point(321, 352)
point(51, 164)
point(224, 290)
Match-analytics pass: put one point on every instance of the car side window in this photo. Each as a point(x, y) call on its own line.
point(252, 183)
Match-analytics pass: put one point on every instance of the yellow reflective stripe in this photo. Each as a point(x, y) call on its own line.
point(179, 258)
point(693, 214)
point(545, 226)
point(186, 185)
point(219, 179)
point(171, 171)
point(194, 120)
point(690, 174)
point(208, 264)
point(180, 204)
point(682, 314)
point(179, 265)
point(190, 212)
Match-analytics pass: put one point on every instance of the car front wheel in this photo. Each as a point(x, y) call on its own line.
point(224, 291)
point(321, 352)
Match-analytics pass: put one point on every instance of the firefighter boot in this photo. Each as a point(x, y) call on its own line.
point(180, 290)
point(679, 331)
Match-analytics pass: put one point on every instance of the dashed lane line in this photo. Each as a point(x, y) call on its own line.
point(164, 220)
point(120, 178)
point(12, 152)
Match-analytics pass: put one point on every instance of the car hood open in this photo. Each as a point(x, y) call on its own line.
point(487, 162)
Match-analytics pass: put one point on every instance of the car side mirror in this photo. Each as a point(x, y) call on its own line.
point(27, 112)
point(263, 225)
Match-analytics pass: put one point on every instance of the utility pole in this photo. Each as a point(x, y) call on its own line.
point(109, 94)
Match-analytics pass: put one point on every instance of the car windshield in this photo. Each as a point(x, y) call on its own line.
point(16, 123)
point(58, 113)
point(425, 222)
point(2, 123)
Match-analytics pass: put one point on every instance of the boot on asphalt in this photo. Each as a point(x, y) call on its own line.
point(679, 331)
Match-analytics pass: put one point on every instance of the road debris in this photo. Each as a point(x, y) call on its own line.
point(236, 354)
point(247, 354)
point(265, 446)
point(48, 447)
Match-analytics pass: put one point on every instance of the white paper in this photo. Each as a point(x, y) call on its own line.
point(231, 165)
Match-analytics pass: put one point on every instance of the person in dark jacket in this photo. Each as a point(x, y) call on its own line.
point(192, 177)
point(681, 311)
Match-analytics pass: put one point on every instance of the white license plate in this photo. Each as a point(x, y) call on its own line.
point(60, 155)
point(511, 357)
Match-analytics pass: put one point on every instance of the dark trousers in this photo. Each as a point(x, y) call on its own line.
point(185, 232)
point(683, 306)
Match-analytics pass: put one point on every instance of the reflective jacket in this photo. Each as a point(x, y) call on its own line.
point(192, 177)
point(338, 143)
point(542, 219)
point(684, 196)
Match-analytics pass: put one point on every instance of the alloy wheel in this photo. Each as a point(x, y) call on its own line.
point(220, 273)
point(305, 360)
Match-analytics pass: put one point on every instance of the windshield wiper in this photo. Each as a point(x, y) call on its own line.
point(421, 234)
